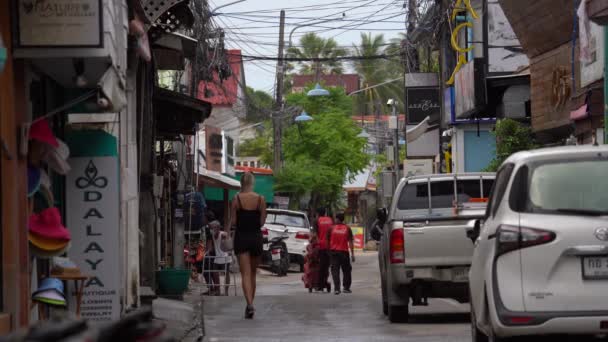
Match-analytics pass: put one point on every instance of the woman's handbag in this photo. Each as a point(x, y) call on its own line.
point(227, 243)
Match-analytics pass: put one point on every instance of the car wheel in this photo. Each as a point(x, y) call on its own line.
point(301, 267)
point(476, 334)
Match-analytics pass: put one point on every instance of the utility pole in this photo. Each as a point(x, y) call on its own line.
point(412, 52)
point(395, 145)
point(276, 120)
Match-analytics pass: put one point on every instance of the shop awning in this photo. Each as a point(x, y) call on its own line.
point(177, 113)
point(217, 180)
point(179, 42)
point(361, 182)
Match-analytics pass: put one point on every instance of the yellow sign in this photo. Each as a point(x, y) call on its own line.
point(462, 59)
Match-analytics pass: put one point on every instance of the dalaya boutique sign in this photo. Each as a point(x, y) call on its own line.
point(92, 211)
point(59, 23)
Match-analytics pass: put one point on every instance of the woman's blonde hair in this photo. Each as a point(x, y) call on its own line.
point(247, 181)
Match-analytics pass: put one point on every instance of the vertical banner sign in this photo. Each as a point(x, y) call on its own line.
point(93, 219)
point(358, 237)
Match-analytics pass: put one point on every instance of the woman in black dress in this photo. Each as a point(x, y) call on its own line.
point(248, 217)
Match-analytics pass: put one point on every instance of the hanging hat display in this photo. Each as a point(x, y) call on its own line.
point(50, 291)
point(46, 244)
point(42, 254)
point(41, 131)
point(45, 180)
point(33, 180)
point(57, 158)
point(47, 224)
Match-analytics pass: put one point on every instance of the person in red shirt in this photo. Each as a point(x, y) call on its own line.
point(324, 224)
point(340, 239)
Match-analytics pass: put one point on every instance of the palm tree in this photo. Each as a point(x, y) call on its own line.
point(375, 71)
point(315, 47)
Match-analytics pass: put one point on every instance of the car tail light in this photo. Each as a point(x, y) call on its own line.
point(397, 251)
point(265, 232)
point(510, 238)
point(275, 251)
point(302, 236)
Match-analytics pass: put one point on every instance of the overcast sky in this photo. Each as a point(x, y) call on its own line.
point(253, 27)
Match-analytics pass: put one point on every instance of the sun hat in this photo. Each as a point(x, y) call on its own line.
point(50, 283)
point(33, 180)
point(47, 224)
point(42, 254)
point(50, 291)
point(46, 244)
point(41, 131)
point(50, 297)
point(57, 158)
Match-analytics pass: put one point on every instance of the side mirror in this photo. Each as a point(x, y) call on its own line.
point(474, 230)
point(382, 216)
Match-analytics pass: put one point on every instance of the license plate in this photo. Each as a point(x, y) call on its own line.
point(265, 246)
point(460, 274)
point(276, 255)
point(595, 268)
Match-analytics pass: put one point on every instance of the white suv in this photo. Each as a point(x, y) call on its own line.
point(540, 264)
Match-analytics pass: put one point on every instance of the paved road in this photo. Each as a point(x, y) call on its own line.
point(287, 312)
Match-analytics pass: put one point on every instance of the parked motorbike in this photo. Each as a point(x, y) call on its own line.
point(279, 257)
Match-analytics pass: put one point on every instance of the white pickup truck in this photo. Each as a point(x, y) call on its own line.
point(424, 252)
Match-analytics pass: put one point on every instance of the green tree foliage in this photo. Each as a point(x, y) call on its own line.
point(511, 137)
point(376, 71)
point(312, 46)
point(319, 154)
point(259, 105)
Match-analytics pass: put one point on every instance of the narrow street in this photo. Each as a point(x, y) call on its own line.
point(287, 312)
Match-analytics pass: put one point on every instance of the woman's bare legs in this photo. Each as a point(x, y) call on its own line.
point(226, 280)
point(247, 276)
point(254, 263)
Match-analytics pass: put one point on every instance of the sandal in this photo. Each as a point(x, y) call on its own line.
point(249, 312)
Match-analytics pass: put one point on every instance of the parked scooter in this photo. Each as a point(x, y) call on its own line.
point(279, 257)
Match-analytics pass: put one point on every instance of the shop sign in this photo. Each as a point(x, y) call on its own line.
point(214, 148)
point(422, 102)
point(416, 167)
point(462, 58)
point(592, 67)
point(282, 202)
point(358, 237)
point(93, 218)
point(469, 88)
point(59, 23)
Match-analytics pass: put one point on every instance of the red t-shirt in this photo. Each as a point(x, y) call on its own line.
point(340, 236)
point(324, 224)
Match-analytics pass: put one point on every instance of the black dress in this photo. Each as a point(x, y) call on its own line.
point(248, 236)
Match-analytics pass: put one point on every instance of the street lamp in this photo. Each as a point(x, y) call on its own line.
point(303, 117)
point(363, 134)
point(318, 91)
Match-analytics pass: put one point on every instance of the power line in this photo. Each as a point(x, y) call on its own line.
point(321, 59)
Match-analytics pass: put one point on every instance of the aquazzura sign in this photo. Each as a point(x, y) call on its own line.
point(59, 23)
point(422, 102)
point(93, 218)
